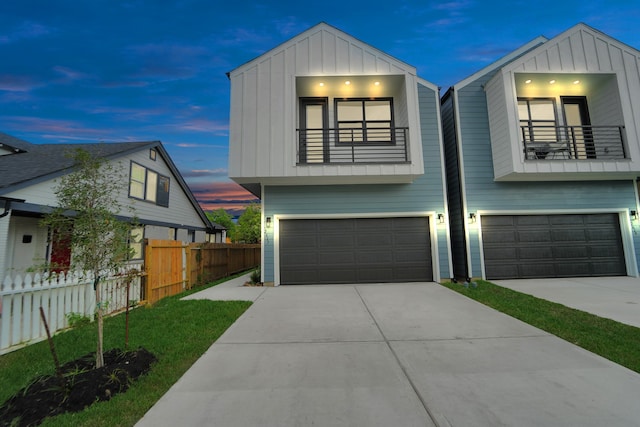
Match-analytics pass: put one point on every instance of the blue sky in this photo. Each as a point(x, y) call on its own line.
point(138, 70)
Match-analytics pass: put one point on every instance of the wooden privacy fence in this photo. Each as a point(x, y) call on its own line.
point(212, 261)
point(165, 268)
point(22, 296)
point(171, 266)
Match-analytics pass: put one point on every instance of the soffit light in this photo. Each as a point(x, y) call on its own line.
point(321, 84)
point(575, 82)
point(347, 82)
point(527, 81)
point(551, 82)
point(377, 83)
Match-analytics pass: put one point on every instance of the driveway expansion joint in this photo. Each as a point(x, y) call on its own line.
point(402, 367)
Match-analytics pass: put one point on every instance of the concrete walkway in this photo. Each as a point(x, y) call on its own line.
point(616, 298)
point(392, 355)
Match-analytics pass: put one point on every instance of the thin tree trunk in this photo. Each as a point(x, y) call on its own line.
point(99, 349)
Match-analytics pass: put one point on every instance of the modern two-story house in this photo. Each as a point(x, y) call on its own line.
point(543, 160)
point(342, 143)
point(162, 202)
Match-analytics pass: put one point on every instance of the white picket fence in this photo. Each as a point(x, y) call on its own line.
point(22, 296)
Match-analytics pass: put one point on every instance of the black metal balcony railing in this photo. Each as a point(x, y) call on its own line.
point(353, 145)
point(573, 142)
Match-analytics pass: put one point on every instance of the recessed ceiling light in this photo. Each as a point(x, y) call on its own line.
point(377, 83)
point(347, 82)
point(575, 82)
point(551, 82)
point(321, 84)
point(527, 81)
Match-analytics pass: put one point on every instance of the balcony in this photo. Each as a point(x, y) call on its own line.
point(377, 145)
point(573, 142)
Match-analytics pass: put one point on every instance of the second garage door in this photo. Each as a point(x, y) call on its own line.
point(355, 250)
point(537, 246)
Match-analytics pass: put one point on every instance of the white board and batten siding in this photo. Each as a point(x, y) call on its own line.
point(180, 210)
point(579, 50)
point(264, 108)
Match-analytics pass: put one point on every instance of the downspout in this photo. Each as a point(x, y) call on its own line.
point(7, 205)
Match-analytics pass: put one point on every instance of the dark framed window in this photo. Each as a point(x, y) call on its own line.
point(538, 118)
point(148, 185)
point(364, 120)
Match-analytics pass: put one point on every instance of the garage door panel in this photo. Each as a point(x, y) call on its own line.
point(303, 258)
point(612, 221)
point(413, 239)
point(355, 250)
point(568, 235)
point(540, 269)
point(498, 253)
point(333, 226)
point(416, 257)
point(530, 236)
point(368, 240)
point(530, 220)
point(503, 221)
point(610, 268)
point(330, 276)
point(603, 235)
point(606, 252)
point(373, 258)
point(335, 258)
point(553, 246)
point(571, 252)
point(531, 253)
point(500, 235)
point(574, 269)
point(302, 241)
point(566, 220)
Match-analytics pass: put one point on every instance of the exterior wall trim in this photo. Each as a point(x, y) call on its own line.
point(463, 180)
point(626, 230)
point(443, 175)
point(433, 230)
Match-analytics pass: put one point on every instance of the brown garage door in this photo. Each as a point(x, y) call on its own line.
point(355, 250)
point(537, 246)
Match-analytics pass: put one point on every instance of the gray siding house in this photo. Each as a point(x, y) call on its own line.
point(342, 143)
point(543, 159)
point(163, 204)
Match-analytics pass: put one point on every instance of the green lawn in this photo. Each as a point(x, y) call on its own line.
point(177, 332)
point(615, 341)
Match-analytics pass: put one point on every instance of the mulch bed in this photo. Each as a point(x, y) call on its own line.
point(84, 385)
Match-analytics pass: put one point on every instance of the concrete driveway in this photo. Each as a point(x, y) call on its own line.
point(391, 355)
point(616, 298)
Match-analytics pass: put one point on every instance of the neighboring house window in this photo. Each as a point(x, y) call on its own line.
point(136, 242)
point(364, 120)
point(537, 119)
point(146, 184)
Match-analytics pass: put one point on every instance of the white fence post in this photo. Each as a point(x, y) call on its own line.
point(59, 295)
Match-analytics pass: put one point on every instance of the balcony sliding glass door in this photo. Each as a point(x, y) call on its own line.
point(579, 132)
point(313, 124)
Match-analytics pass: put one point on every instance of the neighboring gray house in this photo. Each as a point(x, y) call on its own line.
point(543, 160)
point(164, 205)
point(342, 143)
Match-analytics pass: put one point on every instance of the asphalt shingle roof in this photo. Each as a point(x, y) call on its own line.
point(41, 160)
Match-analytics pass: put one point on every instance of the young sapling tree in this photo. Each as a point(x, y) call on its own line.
point(88, 201)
